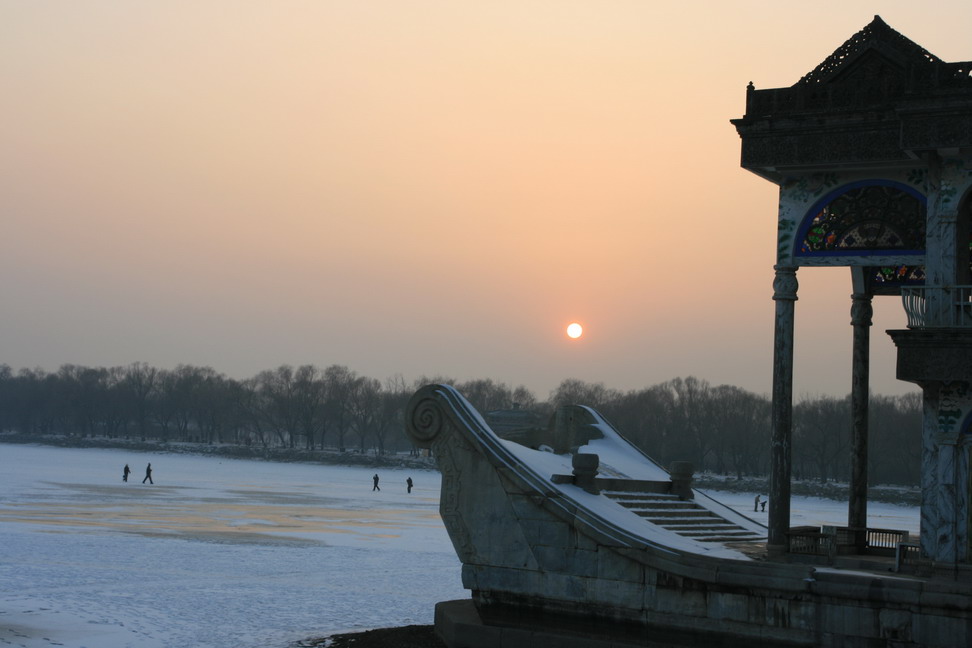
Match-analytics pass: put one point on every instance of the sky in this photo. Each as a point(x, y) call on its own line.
point(415, 188)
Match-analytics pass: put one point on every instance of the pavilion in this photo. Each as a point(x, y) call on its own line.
point(872, 153)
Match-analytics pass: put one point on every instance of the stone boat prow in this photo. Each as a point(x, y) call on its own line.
point(617, 509)
point(631, 555)
point(529, 536)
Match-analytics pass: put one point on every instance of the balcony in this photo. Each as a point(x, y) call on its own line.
point(938, 306)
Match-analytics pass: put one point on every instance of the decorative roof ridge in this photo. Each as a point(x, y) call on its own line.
point(874, 33)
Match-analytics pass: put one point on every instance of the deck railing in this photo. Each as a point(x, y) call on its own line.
point(884, 541)
point(938, 306)
point(808, 540)
point(908, 558)
point(834, 540)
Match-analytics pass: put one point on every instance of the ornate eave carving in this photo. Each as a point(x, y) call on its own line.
point(878, 100)
point(877, 35)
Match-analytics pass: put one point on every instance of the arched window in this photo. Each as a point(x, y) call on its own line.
point(863, 219)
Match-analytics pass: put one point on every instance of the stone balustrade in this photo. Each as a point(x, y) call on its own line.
point(938, 306)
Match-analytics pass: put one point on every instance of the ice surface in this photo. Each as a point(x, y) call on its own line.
point(227, 553)
point(217, 553)
point(816, 511)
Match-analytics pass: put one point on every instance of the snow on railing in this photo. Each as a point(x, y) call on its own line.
point(938, 306)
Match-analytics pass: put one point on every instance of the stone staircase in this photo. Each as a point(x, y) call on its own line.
point(683, 517)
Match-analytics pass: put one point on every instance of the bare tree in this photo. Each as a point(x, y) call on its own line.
point(309, 401)
point(486, 395)
point(894, 451)
point(141, 381)
point(254, 411)
point(389, 425)
point(821, 436)
point(573, 391)
point(163, 405)
point(739, 429)
point(338, 382)
point(644, 418)
point(692, 416)
point(364, 406)
point(279, 389)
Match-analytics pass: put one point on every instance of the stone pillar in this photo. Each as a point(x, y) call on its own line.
point(682, 473)
point(785, 295)
point(585, 471)
point(943, 253)
point(944, 474)
point(861, 312)
point(939, 360)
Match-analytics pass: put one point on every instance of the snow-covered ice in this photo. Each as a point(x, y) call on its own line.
point(223, 553)
point(817, 511)
point(217, 553)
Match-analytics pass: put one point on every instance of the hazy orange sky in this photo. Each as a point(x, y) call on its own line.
point(414, 187)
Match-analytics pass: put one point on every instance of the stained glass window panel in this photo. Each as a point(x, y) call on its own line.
point(867, 218)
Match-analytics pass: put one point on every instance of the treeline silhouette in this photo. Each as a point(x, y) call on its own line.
point(722, 429)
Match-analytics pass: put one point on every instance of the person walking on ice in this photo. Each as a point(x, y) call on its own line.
point(148, 474)
point(375, 487)
point(756, 505)
point(408, 482)
point(125, 472)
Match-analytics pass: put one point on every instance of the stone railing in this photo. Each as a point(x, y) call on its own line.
point(884, 542)
point(833, 540)
point(908, 558)
point(938, 306)
point(808, 540)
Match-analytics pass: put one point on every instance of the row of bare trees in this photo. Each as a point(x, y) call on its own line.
point(726, 430)
point(722, 429)
point(306, 406)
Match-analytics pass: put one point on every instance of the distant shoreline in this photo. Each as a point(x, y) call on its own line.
point(837, 491)
point(331, 456)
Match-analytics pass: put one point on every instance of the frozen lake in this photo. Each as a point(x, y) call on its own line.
point(217, 553)
point(223, 553)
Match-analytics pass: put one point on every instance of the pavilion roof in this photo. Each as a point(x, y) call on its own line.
point(877, 35)
point(879, 99)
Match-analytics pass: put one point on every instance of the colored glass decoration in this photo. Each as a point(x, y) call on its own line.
point(867, 218)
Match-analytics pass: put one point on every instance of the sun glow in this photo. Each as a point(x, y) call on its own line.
point(574, 330)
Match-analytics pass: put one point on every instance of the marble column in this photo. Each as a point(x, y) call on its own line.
point(785, 295)
point(944, 474)
point(942, 251)
point(861, 312)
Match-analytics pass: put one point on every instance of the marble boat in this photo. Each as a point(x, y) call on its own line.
point(571, 536)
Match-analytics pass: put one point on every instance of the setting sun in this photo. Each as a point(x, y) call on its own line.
point(575, 330)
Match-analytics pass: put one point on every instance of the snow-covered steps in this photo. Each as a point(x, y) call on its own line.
point(684, 517)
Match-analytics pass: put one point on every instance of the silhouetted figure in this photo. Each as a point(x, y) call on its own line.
point(375, 479)
point(125, 472)
point(148, 474)
point(409, 483)
point(756, 504)
point(763, 504)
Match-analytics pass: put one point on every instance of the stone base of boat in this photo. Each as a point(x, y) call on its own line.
point(460, 624)
point(463, 624)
